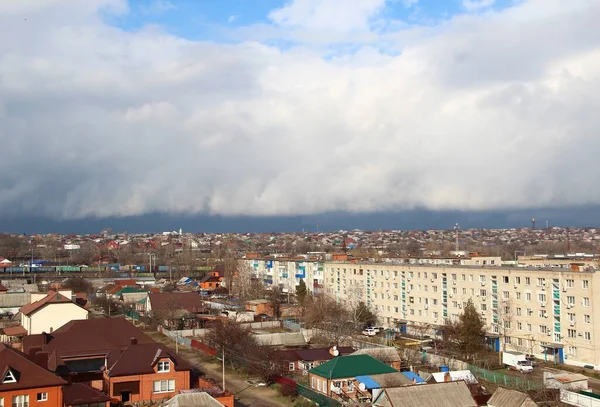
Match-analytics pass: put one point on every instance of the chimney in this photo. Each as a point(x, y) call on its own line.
point(44, 338)
point(134, 341)
point(41, 359)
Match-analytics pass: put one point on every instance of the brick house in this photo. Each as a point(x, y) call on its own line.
point(24, 383)
point(146, 372)
point(113, 356)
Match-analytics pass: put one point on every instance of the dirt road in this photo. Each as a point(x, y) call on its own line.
point(245, 394)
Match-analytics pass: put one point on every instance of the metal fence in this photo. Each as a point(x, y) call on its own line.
point(320, 399)
point(501, 379)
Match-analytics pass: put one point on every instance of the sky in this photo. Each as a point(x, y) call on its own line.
point(291, 109)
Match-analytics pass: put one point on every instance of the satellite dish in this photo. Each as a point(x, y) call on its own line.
point(362, 387)
point(336, 352)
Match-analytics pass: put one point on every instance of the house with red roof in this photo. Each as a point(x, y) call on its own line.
point(24, 383)
point(51, 312)
point(114, 357)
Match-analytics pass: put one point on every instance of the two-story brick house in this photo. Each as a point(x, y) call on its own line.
point(23, 383)
point(145, 372)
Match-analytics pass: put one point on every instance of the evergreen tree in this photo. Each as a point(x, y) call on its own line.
point(470, 329)
point(301, 292)
point(363, 315)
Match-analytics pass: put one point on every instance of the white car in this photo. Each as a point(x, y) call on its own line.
point(369, 332)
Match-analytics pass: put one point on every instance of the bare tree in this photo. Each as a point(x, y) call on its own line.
point(331, 320)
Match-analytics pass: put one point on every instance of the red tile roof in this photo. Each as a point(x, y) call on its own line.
point(27, 374)
point(124, 283)
point(53, 297)
point(141, 358)
point(104, 336)
point(14, 331)
point(191, 302)
point(79, 393)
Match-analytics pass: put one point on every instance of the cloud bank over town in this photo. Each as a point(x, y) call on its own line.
point(301, 114)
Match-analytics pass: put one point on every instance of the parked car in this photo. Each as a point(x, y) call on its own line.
point(369, 332)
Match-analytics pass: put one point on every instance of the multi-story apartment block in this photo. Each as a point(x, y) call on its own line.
point(287, 272)
point(545, 312)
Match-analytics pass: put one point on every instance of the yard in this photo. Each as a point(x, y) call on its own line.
point(248, 391)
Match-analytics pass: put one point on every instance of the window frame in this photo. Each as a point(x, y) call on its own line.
point(163, 364)
point(168, 383)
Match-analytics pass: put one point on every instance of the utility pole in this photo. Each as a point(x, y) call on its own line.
point(223, 360)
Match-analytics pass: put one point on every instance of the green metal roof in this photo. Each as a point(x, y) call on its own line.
point(127, 290)
point(351, 366)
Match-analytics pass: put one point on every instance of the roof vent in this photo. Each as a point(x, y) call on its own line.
point(134, 341)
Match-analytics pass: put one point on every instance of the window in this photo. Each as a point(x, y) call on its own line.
point(542, 297)
point(587, 336)
point(571, 333)
point(542, 313)
point(541, 281)
point(572, 350)
point(520, 326)
point(587, 319)
point(571, 317)
point(313, 383)
point(529, 312)
point(518, 293)
point(505, 294)
point(505, 279)
point(542, 329)
point(291, 366)
point(464, 291)
point(518, 311)
point(528, 296)
point(570, 283)
point(482, 292)
point(517, 280)
point(9, 377)
point(163, 367)
point(20, 401)
point(527, 281)
point(482, 279)
point(42, 397)
point(570, 300)
point(586, 301)
point(529, 327)
point(164, 386)
point(483, 307)
point(585, 284)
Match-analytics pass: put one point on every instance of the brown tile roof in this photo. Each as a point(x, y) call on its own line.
point(79, 393)
point(53, 297)
point(141, 358)
point(191, 302)
point(14, 331)
point(2, 288)
point(104, 336)
point(124, 283)
point(27, 374)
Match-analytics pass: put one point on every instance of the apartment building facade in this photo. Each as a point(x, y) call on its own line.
point(548, 313)
point(287, 273)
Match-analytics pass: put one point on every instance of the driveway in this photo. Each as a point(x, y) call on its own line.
point(246, 394)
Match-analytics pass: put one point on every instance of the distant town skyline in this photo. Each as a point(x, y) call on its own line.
point(588, 216)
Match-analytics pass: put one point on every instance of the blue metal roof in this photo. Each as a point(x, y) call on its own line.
point(413, 375)
point(368, 382)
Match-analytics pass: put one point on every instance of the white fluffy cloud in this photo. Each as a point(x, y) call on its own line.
point(481, 112)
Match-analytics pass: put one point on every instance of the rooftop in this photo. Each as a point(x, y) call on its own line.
point(351, 366)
